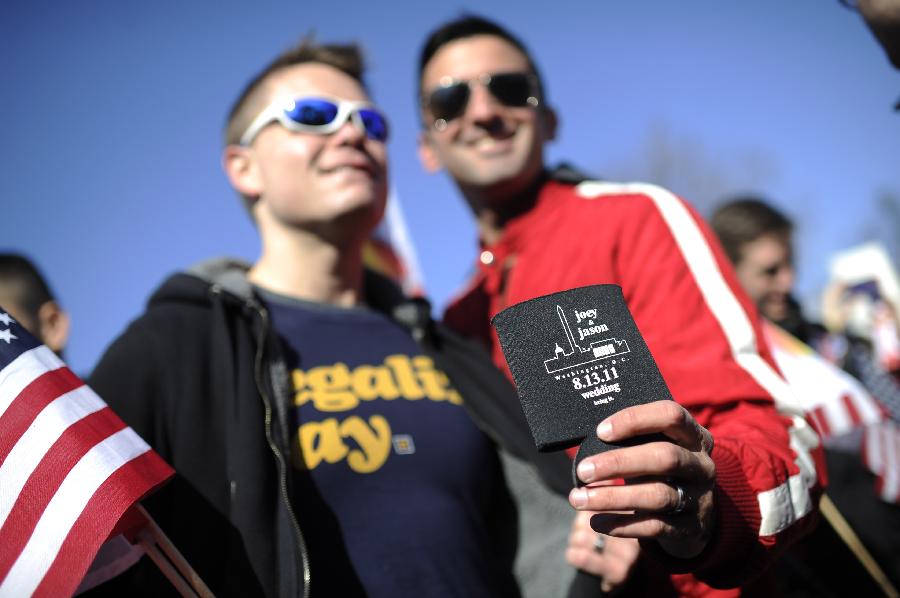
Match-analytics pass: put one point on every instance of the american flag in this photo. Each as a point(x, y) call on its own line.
point(69, 469)
point(838, 404)
point(391, 252)
point(835, 401)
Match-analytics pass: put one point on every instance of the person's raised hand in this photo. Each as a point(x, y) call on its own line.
point(609, 558)
point(668, 490)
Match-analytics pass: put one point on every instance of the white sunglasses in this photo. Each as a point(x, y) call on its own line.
point(321, 116)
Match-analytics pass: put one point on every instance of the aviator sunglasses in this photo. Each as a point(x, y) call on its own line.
point(449, 99)
point(320, 116)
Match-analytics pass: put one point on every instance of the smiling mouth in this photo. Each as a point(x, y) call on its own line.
point(362, 168)
point(492, 145)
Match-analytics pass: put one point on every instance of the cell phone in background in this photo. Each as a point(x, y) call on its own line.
point(863, 271)
point(868, 288)
point(870, 302)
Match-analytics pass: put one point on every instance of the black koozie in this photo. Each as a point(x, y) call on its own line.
point(577, 357)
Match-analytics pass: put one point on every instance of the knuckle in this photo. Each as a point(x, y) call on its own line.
point(616, 572)
point(583, 538)
point(601, 499)
point(576, 558)
point(632, 548)
point(667, 456)
point(657, 527)
point(675, 414)
point(626, 418)
point(617, 460)
point(661, 496)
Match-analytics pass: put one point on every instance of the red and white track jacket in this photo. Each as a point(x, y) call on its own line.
point(703, 332)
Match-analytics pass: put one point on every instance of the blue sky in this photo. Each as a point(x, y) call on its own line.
point(114, 109)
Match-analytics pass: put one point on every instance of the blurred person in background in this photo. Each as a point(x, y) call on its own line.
point(26, 296)
point(758, 238)
point(883, 19)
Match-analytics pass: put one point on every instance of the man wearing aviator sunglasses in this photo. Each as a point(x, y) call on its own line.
point(323, 427)
point(702, 501)
point(449, 99)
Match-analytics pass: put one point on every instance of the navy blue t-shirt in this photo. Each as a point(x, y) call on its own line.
point(395, 482)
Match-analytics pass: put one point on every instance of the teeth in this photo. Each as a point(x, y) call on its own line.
point(344, 167)
point(486, 143)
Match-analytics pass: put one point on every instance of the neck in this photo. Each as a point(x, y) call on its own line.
point(302, 265)
point(494, 207)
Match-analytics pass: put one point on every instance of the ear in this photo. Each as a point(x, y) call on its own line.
point(431, 162)
point(53, 326)
point(240, 166)
point(550, 123)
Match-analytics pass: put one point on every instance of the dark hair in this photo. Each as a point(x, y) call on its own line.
point(23, 283)
point(745, 219)
point(347, 58)
point(468, 26)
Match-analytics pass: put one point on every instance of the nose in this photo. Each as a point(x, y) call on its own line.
point(352, 132)
point(482, 106)
point(785, 278)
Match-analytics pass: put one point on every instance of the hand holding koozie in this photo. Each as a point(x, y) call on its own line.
point(577, 358)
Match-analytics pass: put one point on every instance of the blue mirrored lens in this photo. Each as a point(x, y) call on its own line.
point(375, 123)
point(313, 112)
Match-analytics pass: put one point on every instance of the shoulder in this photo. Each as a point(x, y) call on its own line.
point(178, 313)
point(635, 195)
point(638, 207)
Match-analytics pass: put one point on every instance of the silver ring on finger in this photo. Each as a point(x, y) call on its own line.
point(599, 543)
point(682, 499)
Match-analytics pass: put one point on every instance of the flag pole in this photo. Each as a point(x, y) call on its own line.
point(182, 575)
point(843, 529)
point(148, 545)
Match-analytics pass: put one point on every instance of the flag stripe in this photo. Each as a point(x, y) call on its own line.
point(873, 455)
point(870, 410)
point(31, 401)
point(837, 417)
point(19, 374)
point(891, 484)
point(121, 490)
point(37, 440)
point(852, 411)
point(837, 401)
point(881, 454)
point(47, 478)
point(59, 443)
point(821, 421)
point(66, 506)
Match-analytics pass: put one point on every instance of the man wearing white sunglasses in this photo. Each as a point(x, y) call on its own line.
point(735, 480)
point(320, 423)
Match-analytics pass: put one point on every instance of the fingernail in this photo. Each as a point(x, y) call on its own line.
point(578, 497)
point(604, 430)
point(586, 471)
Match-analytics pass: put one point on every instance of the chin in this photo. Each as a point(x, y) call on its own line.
point(494, 174)
point(363, 206)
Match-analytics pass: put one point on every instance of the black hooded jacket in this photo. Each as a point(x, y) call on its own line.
point(202, 378)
